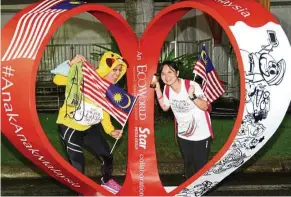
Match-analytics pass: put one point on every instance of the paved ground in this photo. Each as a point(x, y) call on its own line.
point(255, 178)
point(237, 184)
point(10, 171)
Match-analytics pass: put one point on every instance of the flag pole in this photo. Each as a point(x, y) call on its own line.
point(124, 124)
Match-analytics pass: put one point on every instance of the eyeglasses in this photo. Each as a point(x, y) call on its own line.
point(115, 70)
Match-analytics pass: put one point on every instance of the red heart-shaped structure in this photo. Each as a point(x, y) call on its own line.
point(250, 29)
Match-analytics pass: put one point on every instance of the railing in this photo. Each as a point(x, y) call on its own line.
point(184, 47)
point(56, 54)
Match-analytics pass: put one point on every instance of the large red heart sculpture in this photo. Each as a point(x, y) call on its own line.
point(253, 32)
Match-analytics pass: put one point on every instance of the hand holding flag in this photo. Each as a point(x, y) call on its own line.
point(211, 84)
point(121, 99)
point(116, 101)
point(113, 99)
point(116, 134)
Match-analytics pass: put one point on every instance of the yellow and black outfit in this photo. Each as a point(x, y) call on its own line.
point(79, 118)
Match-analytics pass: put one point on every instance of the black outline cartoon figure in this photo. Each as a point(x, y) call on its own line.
point(263, 66)
point(198, 190)
point(234, 159)
point(262, 70)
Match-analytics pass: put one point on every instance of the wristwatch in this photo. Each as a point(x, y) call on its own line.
point(192, 98)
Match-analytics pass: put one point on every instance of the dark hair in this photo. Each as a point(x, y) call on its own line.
point(173, 66)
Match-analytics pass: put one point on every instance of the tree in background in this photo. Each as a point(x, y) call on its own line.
point(138, 14)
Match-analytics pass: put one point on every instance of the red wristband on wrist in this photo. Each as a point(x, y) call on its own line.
point(160, 97)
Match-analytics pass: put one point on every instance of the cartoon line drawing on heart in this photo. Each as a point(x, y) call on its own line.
point(261, 111)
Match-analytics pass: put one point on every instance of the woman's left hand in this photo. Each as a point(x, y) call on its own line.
point(157, 86)
point(191, 91)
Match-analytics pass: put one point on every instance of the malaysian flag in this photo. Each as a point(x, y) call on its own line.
point(211, 84)
point(33, 26)
point(111, 98)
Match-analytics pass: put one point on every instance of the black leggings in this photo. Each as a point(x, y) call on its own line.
point(195, 154)
point(91, 139)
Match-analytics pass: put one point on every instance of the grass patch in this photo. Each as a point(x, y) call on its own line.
point(278, 147)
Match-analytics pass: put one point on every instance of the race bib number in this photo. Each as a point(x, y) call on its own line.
point(88, 114)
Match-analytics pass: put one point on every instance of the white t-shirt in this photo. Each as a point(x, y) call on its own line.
point(193, 123)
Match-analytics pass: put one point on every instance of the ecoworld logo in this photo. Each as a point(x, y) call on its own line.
point(142, 91)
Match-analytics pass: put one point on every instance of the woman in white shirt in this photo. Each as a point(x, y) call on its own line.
point(189, 106)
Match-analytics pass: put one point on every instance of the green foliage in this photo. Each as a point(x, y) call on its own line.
point(167, 149)
point(184, 62)
point(168, 56)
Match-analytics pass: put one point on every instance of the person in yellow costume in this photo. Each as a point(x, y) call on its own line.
point(79, 118)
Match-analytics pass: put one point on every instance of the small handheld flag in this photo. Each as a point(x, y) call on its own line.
point(120, 98)
point(116, 101)
point(211, 84)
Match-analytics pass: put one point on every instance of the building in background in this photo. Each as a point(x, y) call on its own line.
point(78, 34)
